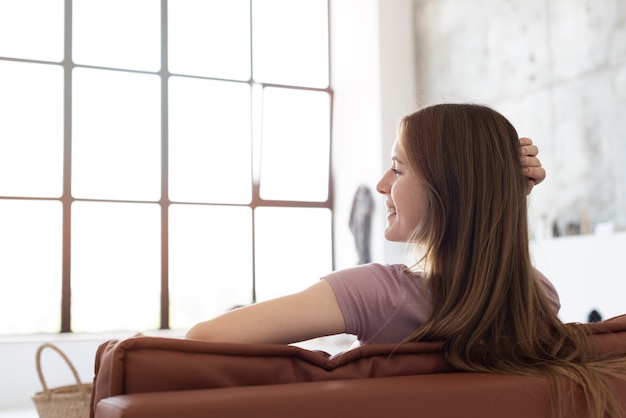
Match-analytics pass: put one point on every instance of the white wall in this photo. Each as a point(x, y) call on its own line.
point(588, 271)
point(557, 70)
point(357, 130)
point(374, 85)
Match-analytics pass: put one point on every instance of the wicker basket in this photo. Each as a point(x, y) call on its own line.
point(63, 402)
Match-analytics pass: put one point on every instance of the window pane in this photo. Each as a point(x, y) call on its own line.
point(209, 141)
point(210, 266)
point(116, 147)
point(296, 145)
point(32, 29)
point(117, 33)
point(30, 266)
point(290, 42)
point(31, 132)
point(209, 38)
point(293, 249)
point(116, 279)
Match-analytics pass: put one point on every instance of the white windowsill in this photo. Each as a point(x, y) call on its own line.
point(19, 413)
point(78, 336)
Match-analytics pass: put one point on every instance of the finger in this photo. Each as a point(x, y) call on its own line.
point(530, 161)
point(535, 174)
point(525, 141)
point(530, 150)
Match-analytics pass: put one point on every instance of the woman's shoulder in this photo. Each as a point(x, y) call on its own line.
point(375, 270)
point(387, 281)
point(400, 272)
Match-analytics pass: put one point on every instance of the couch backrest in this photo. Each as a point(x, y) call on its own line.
point(151, 364)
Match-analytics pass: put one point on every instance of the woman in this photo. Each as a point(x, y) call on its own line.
point(457, 190)
point(315, 312)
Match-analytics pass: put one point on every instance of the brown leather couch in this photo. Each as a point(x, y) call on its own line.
point(153, 377)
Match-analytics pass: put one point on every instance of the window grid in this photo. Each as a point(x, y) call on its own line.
point(67, 199)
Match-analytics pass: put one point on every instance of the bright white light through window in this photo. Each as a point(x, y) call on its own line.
point(122, 154)
point(115, 266)
point(210, 261)
point(197, 31)
point(293, 249)
point(31, 131)
point(209, 141)
point(30, 266)
point(290, 42)
point(117, 33)
point(32, 29)
point(295, 145)
point(116, 147)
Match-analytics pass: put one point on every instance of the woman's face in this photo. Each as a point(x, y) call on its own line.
point(406, 198)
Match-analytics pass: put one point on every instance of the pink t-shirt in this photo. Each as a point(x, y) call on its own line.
point(384, 304)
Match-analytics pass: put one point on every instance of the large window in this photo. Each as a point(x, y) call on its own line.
point(160, 161)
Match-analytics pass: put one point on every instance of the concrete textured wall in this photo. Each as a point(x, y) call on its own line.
point(557, 70)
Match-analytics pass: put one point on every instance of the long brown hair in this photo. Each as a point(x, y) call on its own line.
point(487, 304)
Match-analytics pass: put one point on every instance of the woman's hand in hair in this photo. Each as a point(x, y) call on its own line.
point(531, 164)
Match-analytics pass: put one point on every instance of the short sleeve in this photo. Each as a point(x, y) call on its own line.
point(549, 290)
point(380, 303)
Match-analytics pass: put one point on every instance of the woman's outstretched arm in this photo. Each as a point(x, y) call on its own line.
point(312, 313)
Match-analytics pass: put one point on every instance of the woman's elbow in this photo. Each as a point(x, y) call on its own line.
point(197, 332)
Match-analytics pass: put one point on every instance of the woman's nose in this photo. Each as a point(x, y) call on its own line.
point(382, 185)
